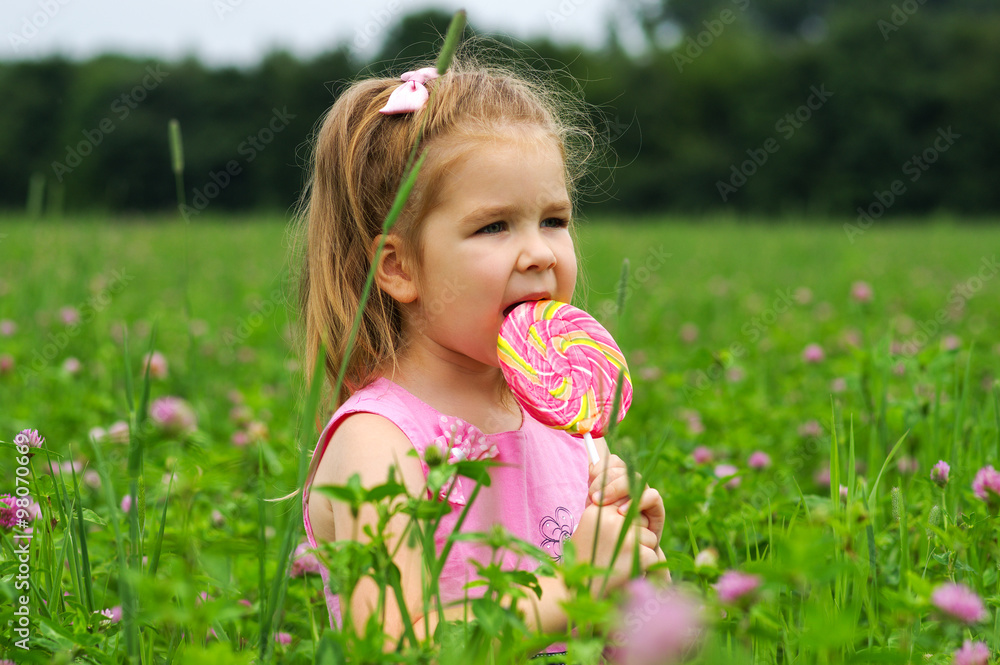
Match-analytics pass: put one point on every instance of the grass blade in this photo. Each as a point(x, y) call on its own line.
point(455, 30)
point(157, 546)
point(84, 554)
point(892, 453)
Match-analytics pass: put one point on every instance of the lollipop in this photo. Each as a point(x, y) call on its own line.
point(562, 367)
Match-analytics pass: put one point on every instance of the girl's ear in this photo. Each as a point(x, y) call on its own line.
point(392, 274)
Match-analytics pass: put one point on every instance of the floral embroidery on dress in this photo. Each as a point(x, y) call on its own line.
point(458, 441)
point(555, 530)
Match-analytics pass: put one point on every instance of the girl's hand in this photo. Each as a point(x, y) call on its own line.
point(588, 539)
point(611, 487)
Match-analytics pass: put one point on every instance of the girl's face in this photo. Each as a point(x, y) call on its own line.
point(498, 236)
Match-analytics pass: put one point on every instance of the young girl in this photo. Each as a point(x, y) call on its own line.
point(487, 226)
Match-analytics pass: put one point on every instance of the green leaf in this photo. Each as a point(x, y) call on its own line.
point(490, 615)
point(92, 517)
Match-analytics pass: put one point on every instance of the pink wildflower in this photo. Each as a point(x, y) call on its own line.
point(822, 477)
point(735, 374)
point(972, 653)
point(30, 438)
point(174, 415)
point(126, 503)
point(708, 558)
point(813, 353)
point(950, 342)
point(759, 460)
point(803, 295)
point(156, 362)
point(810, 428)
point(69, 467)
point(118, 432)
point(257, 431)
point(843, 492)
point(114, 614)
point(939, 474)
point(959, 602)
point(8, 511)
point(987, 485)
point(689, 333)
point(239, 438)
point(92, 479)
point(283, 638)
point(735, 587)
point(851, 337)
point(304, 561)
point(69, 315)
point(6, 363)
point(861, 292)
point(656, 625)
point(7, 328)
point(650, 373)
point(729, 472)
point(838, 385)
point(702, 455)
point(72, 366)
point(695, 426)
point(240, 414)
point(908, 465)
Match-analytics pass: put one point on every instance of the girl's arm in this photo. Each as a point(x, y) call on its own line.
point(368, 444)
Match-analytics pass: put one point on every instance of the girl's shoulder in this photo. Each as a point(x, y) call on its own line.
point(377, 423)
point(392, 403)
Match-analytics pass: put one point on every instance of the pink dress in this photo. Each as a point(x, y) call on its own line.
point(539, 497)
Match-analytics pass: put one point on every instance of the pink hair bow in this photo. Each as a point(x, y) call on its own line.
point(412, 95)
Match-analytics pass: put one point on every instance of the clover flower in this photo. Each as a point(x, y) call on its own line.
point(173, 415)
point(728, 472)
point(861, 291)
point(656, 625)
point(986, 485)
point(939, 474)
point(156, 363)
point(972, 653)
point(959, 602)
point(813, 353)
point(735, 588)
point(304, 561)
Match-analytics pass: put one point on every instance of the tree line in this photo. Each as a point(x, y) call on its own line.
point(766, 107)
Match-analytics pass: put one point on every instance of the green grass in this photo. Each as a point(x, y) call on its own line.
point(843, 581)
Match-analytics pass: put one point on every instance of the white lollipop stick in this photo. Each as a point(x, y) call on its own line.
point(591, 448)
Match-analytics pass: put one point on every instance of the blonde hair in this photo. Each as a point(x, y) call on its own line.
point(357, 165)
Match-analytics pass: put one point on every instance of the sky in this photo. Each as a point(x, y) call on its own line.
point(240, 32)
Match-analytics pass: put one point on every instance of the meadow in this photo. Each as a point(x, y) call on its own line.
point(795, 385)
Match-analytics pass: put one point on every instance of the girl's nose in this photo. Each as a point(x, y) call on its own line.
point(536, 254)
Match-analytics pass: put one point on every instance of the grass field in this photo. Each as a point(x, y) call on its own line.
point(741, 338)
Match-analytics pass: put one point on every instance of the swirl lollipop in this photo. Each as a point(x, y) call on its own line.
point(562, 366)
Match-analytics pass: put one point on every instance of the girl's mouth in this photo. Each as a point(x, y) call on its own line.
point(511, 308)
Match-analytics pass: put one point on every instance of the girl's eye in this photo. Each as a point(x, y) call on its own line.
point(556, 222)
point(495, 227)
